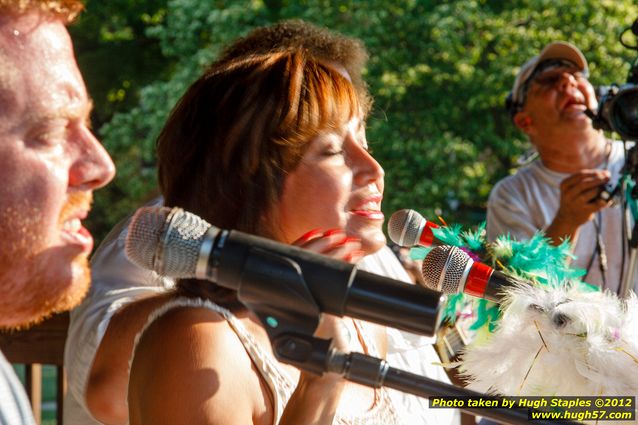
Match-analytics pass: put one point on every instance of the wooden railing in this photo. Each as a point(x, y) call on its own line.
point(450, 342)
point(39, 345)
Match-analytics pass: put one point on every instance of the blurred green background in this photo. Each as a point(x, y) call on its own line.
point(439, 72)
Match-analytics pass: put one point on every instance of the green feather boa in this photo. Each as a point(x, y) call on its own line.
point(535, 260)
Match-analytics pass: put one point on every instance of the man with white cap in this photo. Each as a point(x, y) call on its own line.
point(559, 193)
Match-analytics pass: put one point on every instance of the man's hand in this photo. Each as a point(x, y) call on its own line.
point(579, 201)
point(580, 196)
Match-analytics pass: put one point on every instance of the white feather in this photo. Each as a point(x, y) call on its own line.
point(589, 346)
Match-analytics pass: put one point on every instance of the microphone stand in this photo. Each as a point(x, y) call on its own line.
point(314, 355)
point(290, 333)
point(626, 286)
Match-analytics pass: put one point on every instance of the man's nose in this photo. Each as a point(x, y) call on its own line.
point(565, 80)
point(92, 167)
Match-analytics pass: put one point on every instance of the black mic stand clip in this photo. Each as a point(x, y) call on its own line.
point(273, 287)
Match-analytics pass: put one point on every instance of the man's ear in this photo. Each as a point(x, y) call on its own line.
point(523, 121)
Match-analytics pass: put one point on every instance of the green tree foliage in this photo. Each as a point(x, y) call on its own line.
point(116, 56)
point(439, 72)
point(118, 59)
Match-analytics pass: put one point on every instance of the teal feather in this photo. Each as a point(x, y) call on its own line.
point(631, 201)
point(452, 306)
point(475, 240)
point(419, 252)
point(449, 235)
point(535, 260)
point(487, 314)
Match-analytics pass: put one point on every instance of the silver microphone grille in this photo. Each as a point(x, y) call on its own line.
point(166, 240)
point(444, 268)
point(405, 227)
point(144, 235)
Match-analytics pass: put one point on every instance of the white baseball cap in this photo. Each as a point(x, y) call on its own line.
point(556, 50)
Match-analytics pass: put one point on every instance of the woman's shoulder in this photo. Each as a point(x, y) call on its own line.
point(192, 356)
point(192, 330)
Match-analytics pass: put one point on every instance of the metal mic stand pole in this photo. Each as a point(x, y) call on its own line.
point(626, 285)
point(275, 290)
point(314, 355)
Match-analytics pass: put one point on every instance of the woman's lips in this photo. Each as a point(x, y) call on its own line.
point(370, 214)
point(369, 208)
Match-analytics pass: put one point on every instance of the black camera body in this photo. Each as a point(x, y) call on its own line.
point(618, 110)
point(618, 104)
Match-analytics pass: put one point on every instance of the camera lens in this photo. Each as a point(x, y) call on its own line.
point(624, 112)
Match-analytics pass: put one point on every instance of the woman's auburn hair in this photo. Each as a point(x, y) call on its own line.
point(237, 132)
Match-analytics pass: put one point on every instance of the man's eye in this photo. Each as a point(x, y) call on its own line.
point(548, 80)
point(551, 78)
point(50, 137)
point(51, 133)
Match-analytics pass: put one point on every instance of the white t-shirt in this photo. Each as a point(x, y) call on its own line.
point(117, 282)
point(528, 201)
point(14, 405)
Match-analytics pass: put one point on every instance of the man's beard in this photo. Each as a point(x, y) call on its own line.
point(30, 299)
point(35, 280)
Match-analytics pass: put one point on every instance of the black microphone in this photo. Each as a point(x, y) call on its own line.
point(451, 270)
point(408, 228)
point(179, 244)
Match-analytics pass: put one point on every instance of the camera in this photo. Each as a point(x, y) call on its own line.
point(618, 104)
point(609, 193)
point(618, 109)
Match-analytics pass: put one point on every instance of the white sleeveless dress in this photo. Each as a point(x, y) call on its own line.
point(278, 380)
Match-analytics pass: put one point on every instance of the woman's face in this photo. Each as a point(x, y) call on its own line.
point(337, 184)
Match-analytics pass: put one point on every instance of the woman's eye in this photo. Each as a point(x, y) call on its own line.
point(334, 152)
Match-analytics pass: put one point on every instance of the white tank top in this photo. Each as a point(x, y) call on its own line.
point(278, 380)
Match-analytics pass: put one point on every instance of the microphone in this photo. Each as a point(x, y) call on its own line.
point(179, 244)
point(408, 228)
point(450, 270)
